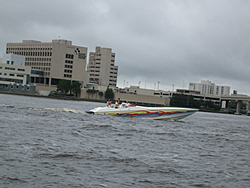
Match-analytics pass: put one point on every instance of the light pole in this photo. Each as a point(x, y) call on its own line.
point(139, 83)
point(158, 85)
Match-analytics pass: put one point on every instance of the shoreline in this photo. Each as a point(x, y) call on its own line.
point(96, 100)
point(52, 97)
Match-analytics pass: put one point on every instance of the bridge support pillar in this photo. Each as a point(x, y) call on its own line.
point(238, 107)
point(248, 108)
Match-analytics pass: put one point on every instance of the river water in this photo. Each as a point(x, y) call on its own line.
point(54, 143)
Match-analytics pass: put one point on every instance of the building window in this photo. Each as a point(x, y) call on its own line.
point(68, 66)
point(68, 71)
point(21, 69)
point(67, 75)
point(68, 61)
point(69, 56)
point(9, 68)
point(11, 75)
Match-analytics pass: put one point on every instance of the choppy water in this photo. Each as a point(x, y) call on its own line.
point(53, 143)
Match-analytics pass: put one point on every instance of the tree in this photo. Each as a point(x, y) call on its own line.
point(64, 86)
point(92, 91)
point(109, 94)
point(76, 87)
point(100, 94)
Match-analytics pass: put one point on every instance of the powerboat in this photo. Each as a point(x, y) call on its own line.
point(157, 113)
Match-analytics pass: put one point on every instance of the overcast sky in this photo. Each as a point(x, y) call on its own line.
point(173, 42)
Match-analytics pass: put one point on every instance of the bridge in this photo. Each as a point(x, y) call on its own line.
point(238, 99)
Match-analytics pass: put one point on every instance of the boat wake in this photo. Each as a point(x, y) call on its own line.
point(59, 110)
point(45, 109)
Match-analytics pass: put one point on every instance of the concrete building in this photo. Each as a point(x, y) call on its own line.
point(102, 67)
point(58, 60)
point(209, 88)
point(12, 70)
point(14, 76)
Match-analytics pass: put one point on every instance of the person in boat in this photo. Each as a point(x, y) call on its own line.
point(108, 103)
point(117, 103)
point(127, 104)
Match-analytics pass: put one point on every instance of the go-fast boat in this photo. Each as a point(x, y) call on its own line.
point(158, 113)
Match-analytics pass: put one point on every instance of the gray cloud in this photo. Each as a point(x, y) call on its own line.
point(174, 42)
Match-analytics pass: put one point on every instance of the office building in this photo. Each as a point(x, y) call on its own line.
point(102, 67)
point(14, 76)
point(58, 60)
point(12, 70)
point(209, 88)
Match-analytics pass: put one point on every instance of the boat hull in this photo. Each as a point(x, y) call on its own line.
point(156, 113)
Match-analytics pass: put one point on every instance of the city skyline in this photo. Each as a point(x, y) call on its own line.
point(162, 45)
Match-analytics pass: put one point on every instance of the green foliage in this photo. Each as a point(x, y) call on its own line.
point(93, 91)
point(109, 94)
point(76, 87)
point(66, 86)
point(100, 94)
point(233, 104)
point(53, 93)
point(188, 101)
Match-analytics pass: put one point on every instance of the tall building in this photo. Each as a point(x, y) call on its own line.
point(58, 59)
point(102, 67)
point(209, 88)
